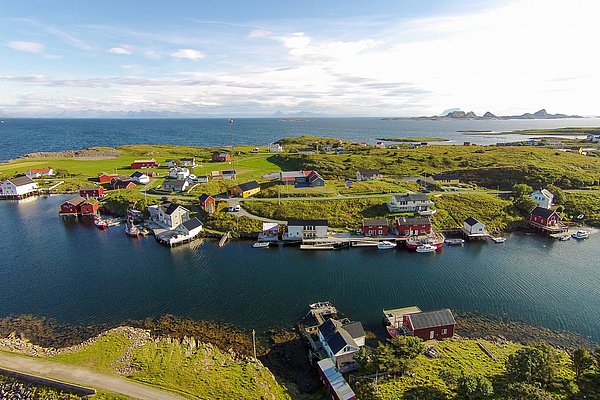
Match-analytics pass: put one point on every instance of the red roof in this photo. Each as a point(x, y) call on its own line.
point(40, 170)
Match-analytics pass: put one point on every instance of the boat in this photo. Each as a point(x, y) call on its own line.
point(498, 239)
point(320, 304)
point(132, 230)
point(454, 242)
point(425, 213)
point(100, 223)
point(385, 245)
point(564, 238)
point(435, 239)
point(580, 234)
point(260, 245)
point(426, 248)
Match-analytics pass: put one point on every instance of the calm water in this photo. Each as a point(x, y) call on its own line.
point(20, 136)
point(77, 273)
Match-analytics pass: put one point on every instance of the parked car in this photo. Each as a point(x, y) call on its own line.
point(425, 191)
point(236, 208)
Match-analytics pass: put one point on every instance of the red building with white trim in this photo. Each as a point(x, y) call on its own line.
point(72, 206)
point(430, 325)
point(375, 227)
point(413, 226)
point(105, 178)
point(89, 207)
point(544, 217)
point(92, 192)
point(138, 164)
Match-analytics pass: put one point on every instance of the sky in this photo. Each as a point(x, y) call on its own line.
point(330, 58)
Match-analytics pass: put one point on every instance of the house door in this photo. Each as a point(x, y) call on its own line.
point(431, 334)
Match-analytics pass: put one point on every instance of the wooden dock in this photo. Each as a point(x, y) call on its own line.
point(224, 239)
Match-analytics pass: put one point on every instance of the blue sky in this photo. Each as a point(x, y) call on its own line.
point(241, 58)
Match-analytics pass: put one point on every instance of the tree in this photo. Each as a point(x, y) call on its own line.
point(597, 356)
point(522, 189)
point(532, 364)
point(407, 346)
point(525, 391)
point(365, 363)
point(525, 204)
point(582, 361)
point(386, 360)
point(474, 388)
point(559, 195)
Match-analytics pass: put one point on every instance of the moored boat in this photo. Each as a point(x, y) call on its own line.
point(426, 248)
point(435, 239)
point(498, 239)
point(260, 245)
point(385, 245)
point(133, 231)
point(100, 223)
point(564, 238)
point(580, 234)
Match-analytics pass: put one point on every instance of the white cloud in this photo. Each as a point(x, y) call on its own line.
point(190, 54)
point(259, 33)
point(119, 50)
point(28, 47)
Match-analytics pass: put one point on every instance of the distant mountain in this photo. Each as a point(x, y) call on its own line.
point(448, 111)
point(457, 114)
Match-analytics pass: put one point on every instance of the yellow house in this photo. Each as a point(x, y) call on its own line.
point(440, 179)
point(244, 189)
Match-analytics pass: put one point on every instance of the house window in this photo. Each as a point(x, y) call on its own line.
point(380, 232)
point(431, 334)
point(444, 331)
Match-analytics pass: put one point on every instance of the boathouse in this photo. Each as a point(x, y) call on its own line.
point(368, 174)
point(374, 227)
point(543, 217)
point(89, 206)
point(220, 157)
point(472, 227)
point(270, 232)
point(18, 188)
point(413, 226)
point(336, 385)
point(139, 164)
point(430, 325)
point(341, 341)
point(409, 202)
point(106, 178)
point(39, 172)
point(96, 192)
point(244, 190)
point(190, 228)
point(72, 206)
point(306, 229)
point(207, 203)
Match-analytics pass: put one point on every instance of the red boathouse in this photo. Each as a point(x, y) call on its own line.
point(544, 217)
point(430, 325)
point(92, 192)
point(89, 207)
point(413, 226)
point(72, 206)
point(375, 227)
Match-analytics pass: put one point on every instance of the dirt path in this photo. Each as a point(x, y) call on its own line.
point(82, 376)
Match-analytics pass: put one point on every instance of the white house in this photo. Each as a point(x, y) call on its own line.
point(544, 198)
point(169, 215)
point(39, 172)
point(21, 186)
point(409, 202)
point(367, 174)
point(202, 179)
point(275, 148)
point(341, 341)
point(473, 227)
point(188, 162)
point(179, 173)
point(178, 185)
point(171, 163)
point(190, 228)
point(306, 229)
point(140, 177)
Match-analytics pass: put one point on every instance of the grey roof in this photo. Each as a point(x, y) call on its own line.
point(248, 186)
point(192, 223)
point(431, 319)
point(178, 182)
point(411, 197)
point(188, 159)
point(293, 174)
point(203, 197)
point(413, 221)
point(375, 222)
point(335, 335)
point(170, 209)
point(307, 222)
point(355, 329)
point(136, 174)
point(542, 212)
point(228, 172)
point(369, 172)
point(471, 221)
point(21, 180)
point(76, 200)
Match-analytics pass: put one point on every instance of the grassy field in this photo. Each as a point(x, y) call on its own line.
point(456, 356)
point(587, 204)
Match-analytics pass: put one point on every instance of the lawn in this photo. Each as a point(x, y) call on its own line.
point(587, 204)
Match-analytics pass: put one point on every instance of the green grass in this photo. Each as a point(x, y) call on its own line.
point(414, 139)
point(101, 355)
point(339, 213)
point(456, 356)
point(587, 204)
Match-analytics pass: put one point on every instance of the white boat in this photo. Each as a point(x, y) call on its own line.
point(426, 248)
point(581, 234)
point(564, 238)
point(498, 239)
point(260, 245)
point(425, 213)
point(454, 242)
point(385, 245)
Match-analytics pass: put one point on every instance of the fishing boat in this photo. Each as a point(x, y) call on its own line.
point(426, 248)
point(132, 230)
point(564, 238)
point(100, 223)
point(435, 239)
point(580, 234)
point(260, 245)
point(385, 245)
point(498, 239)
point(454, 242)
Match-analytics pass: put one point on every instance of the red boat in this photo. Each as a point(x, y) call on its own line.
point(435, 239)
point(100, 224)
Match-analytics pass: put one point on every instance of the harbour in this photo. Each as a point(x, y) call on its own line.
point(80, 274)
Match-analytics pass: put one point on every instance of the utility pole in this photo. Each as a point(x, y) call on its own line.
point(231, 141)
point(254, 343)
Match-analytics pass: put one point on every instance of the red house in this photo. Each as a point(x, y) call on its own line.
point(374, 227)
point(72, 206)
point(138, 164)
point(544, 217)
point(430, 325)
point(93, 192)
point(123, 184)
point(220, 157)
point(207, 203)
point(89, 207)
point(413, 226)
point(334, 381)
point(105, 178)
